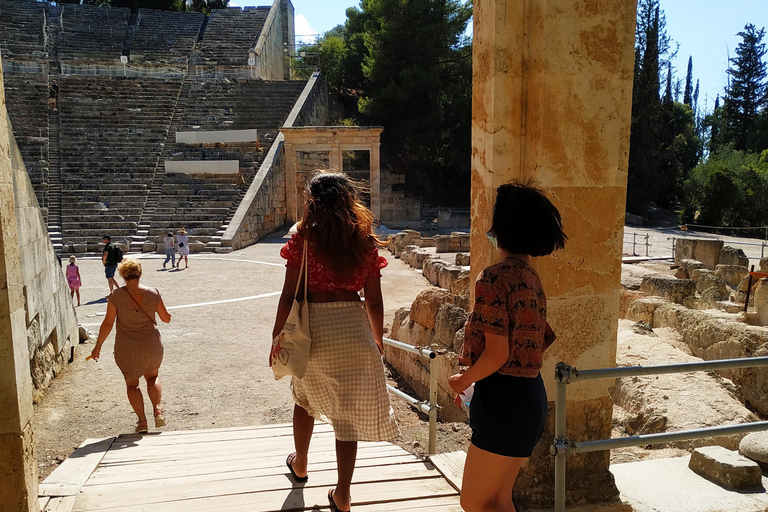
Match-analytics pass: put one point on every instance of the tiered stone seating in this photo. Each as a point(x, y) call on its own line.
point(203, 204)
point(91, 34)
point(231, 33)
point(26, 95)
point(22, 36)
point(112, 134)
point(163, 36)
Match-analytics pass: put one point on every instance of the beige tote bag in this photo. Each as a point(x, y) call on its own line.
point(290, 349)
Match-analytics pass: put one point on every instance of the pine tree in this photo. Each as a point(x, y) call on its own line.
point(746, 93)
point(688, 95)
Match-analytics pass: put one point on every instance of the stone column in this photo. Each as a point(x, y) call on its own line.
point(291, 199)
point(552, 101)
point(375, 179)
point(18, 467)
point(334, 159)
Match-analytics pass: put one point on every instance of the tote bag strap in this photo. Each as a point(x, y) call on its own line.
point(139, 306)
point(304, 270)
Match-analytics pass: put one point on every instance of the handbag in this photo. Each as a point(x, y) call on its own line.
point(290, 348)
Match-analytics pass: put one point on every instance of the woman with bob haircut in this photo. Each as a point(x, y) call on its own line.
point(344, 384)
point(505, 336)
point(138, 345)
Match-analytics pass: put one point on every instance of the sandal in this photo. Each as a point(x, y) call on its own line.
point(141, 427)
point(333, 503)
point(159, 418)
point(289, 462)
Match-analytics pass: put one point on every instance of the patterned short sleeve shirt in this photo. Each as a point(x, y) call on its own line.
point(509, 301)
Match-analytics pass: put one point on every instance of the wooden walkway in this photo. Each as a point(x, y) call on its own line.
point(240, 469)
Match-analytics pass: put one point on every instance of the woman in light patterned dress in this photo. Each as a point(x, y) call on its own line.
point(344, 384)
point(138, 345)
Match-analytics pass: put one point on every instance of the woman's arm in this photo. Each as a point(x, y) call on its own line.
point(286, 299)
point(162, 312)
point(105, 329)
point(493, 357)
point(374, 306)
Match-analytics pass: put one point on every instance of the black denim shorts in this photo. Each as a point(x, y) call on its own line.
point(507, 414)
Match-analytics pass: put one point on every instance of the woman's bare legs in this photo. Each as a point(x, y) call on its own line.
point(154, 390)
point(346, 456)
point(77, 291)
point(303, 425)
point(488, 481)
point(136, 399)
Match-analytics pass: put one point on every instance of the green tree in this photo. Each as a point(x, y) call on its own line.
point(746, 93)
point(688, 94)
point(205, 6)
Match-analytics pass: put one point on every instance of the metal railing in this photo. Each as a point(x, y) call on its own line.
point(430, 406)
point(565, 374)
point(646, 242)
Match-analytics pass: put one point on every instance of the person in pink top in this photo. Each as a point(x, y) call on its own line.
point(73, 278)
point(344, 384)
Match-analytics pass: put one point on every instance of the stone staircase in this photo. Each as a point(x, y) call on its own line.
point(91, 34)
point(230, 34)
point(54, 183)
point(165, 36)
point(22, 30)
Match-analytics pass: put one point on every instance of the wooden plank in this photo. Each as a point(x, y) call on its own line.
point(61, 504)
point(149, 492)
point(306, 498)
point(442, 504)
point(319, 426)
point(42, 501)
point(451, 466)
point(69, 477)
point(173, 471)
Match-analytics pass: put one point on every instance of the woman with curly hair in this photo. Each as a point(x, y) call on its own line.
point(344, 384)
point(138, 346)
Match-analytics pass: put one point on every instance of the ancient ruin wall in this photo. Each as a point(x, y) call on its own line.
point(271, 62)
point(51, 321)
point(263, 209)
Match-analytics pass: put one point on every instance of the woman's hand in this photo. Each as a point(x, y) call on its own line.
point(458, 383)
point(96, 352)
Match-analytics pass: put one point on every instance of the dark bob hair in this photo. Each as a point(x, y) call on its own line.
point(525, 221)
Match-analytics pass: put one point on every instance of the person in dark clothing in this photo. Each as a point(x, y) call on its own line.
point(53, 92)
point(109, 259)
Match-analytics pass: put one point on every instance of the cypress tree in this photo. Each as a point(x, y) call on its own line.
point(688, 95)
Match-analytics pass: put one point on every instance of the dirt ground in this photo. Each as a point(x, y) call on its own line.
point(214, 372)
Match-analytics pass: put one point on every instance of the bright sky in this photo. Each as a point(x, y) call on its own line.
point(704, 29)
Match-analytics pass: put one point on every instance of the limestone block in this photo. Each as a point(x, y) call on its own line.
point(761, 301)
point(34, 338)
point(196, 247)
point(431, 270)
point(707, 279)
point(691, 265)
point(681, 273)
point(667, 287)
point(755, 446)
point(223, 250)
point(449, 274)
point(725, 467)
point(462, 259)
point(697, 272)
point(79, 247)
point(703, 250)
point(402, 316)
point(83, 334)
point(733, 256)
point(643, 309)
point(443, 243)
point(418, 257)
point(764, 265)
point(425, 306)
point(461, 286)
point(744, 284)
point(458, 340)
point(448, 321)
point(731, 274)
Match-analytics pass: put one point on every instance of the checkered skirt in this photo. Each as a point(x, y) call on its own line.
point(345, 383)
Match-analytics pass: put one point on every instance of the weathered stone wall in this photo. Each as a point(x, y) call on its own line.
point(703, 250)
point(398, 210)
point(264, 209)
point(18, 467)
point(271, 62)
point(552, 87)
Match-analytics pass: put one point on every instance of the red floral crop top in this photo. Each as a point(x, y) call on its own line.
point(321, 276)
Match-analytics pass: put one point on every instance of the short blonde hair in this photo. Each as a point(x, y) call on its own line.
point(72, 259)
point(129, 269)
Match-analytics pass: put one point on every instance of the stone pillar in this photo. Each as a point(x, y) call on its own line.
point(552, 93)
point(291, 198)
point(375, 179)
point(18, 467)
point(334, 159)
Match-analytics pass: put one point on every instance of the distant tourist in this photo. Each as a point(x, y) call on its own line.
point(170, 250)
point(182, 245)
point(138, 345)
point(110, 257)
point(53, 93)
point(344, 384)
point(506, 334)
point(73, 278)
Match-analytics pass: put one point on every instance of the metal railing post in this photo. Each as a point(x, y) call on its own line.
point(560, 436)
point(634, 242)
point(647, 246)
point(433, 406)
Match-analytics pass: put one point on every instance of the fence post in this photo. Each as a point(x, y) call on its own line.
point(433, 406)
point(647, 245)
point(560, 435)
point(634, 241)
